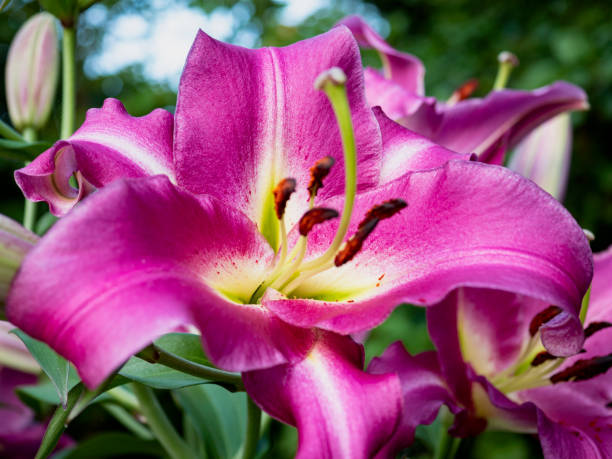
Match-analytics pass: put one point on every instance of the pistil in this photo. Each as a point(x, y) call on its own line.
point(507, 61)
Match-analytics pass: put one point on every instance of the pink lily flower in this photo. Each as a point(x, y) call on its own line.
point(494, 372)
point(488, 127)
point(216, 242)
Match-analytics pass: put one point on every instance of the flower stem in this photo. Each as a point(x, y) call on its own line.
point(252, 433)
point(68, 82)
point(160, 424)
point(447, 446)
point(29, 210)
point(58, 422)
point(155, 354)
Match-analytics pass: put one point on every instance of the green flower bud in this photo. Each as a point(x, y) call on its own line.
point(32, 69)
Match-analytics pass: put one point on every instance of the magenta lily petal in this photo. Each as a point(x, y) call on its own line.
point(339, 410)
point(138, 259)
point(402, 68)
point(244, 148)
point(454, 232)
point(399, 102)
point(573, 420)
point(544, 155)
point(423, 391)
point(488, 127)
point(600, 307)
point(111, 144)
point(496, 123)
point(404, 150)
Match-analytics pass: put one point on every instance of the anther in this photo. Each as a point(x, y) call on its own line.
point(314, 217)
point(595, 327)
point(541, 358)
point(463, 92)
point(379, 212)
point(385, 210)
point(282, 193)
point(584, 369)
point(355, 243)
point(318, 172)
point(542, 317)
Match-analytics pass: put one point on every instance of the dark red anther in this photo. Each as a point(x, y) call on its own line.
point(595, 327)
point(282, 193)
point(541, 358)
point(318, 172)
point(354, 244)
point(385, 210)
point(314, 217)
point(542, 317)
point(465, 90)
point(584, 369)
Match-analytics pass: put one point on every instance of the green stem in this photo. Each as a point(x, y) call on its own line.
point(57, 425)
point(128, 421)
point(8, 132)
point(447, 446)
point(155, 354)
point(252, 433)
point(68, 82)
point(160, 424)
point(29, 210)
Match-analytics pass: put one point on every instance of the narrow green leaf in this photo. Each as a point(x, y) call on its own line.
point(57, 368)
point(185, 345)
point(157, 375)
point(112, 444)
point(218, 415)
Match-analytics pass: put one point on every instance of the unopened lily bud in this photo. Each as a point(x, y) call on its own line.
point(544, 155)
point(15, 243)
point(32, 69)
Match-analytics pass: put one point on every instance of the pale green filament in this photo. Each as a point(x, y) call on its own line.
point(338, 98)
point(507, 61)
point(585, 305)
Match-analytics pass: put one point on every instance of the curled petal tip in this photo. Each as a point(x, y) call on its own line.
point(506, 57)
point(334, 75)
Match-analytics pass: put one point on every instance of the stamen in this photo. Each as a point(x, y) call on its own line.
point(595, 327)
point(380, 212)
point(584, 369)
point(507, 61)
point(542, 317)
point(541, 358)
point(317, 173)
point(282, 193)
point(314, 217)
point(463, 92)
point(354, 244)
point(385, 210)
point(311, 218)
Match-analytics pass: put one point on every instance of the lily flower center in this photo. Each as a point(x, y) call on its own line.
point(290, 270)
point(536, 367)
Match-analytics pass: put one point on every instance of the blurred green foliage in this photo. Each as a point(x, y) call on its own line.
point(458, 40)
